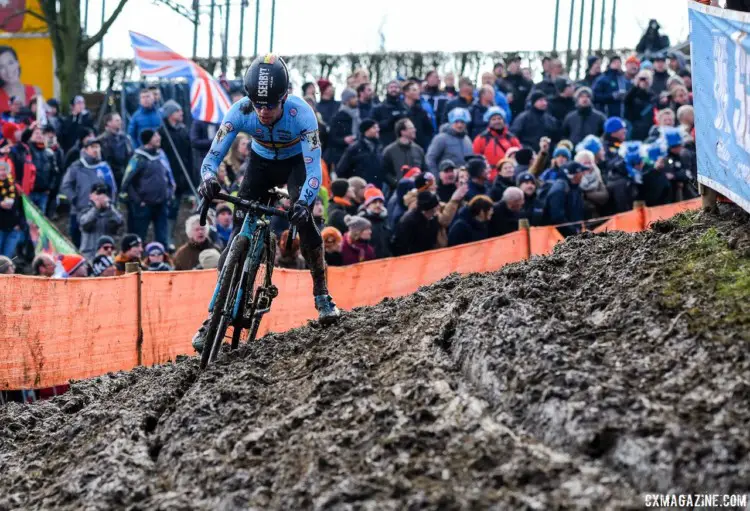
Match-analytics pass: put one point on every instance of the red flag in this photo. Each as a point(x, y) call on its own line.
point(12, 14)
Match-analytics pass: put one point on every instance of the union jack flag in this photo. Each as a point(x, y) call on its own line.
point(208, 99)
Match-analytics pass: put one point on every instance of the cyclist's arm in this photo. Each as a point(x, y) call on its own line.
point(233, 122)
point(310, 140)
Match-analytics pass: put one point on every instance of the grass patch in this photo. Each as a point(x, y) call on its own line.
point(686, 219)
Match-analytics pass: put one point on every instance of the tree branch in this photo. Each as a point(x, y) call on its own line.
point(96, 38)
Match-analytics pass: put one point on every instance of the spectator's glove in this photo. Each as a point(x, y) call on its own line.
point(209, 188)
point(300, 213)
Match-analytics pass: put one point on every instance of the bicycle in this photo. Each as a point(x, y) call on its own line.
point(244, 291)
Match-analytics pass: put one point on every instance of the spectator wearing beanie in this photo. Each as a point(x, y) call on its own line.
point(332, 240)
point(446, 185)
point(478, 175)
point(403, 152)
point(584, 120)
point(593, 71)
point(99, 218)
point(610, 89)
point(131, 249)
point(524, 158)
point(536, 122)
point(640, 102)
point(453, 143)
point(145, 118)
point(364, 158)
point(156, 257)
point(496, 140)
point(533, 205)
point(224, 223)
point(341, 204)
point(186, 257)
point(418, 229)
point(344, 128)
point(70, 266)
point(105, 245)
point(472, 222)
point(208, 259)
point(507, 212)
point(615, 133)
point(289, 258)
point(560, 157)
point(356, 246)
point(376, 213)
point(103, 266)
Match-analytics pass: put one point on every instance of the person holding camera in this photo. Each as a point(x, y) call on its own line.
point(98, 219)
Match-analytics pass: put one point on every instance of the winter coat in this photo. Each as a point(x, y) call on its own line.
point(327, 108)
point(534, 124)
point(582, 122)
point(500, 185)
point(386, 114)
point(121, 260)
point(95, 223)
point(476, 189)
point(559, 107)
point(146, 179)
point(338, 208)
point(466, 229)
point(72, 127)
point(659, 84)
point(445, 192)
point(437, 100)
point(396, 155)
point(24, 168)
point(609, 93)
point(117, 149)
point(353, 252)
point(362, 159)
point(415, 234)
point(639, 111)
point(340, 128)
point(565, 204)
point(186, 257)
point(46, 168)
point(79, 179)
point(521, 87)
point(588, 81)
point(533, 209)
point(181, 138)
point(422, 122)
point(381, 234)
point(493, 144)
point(143, 119)
point(448, 145)
point(458, 102)
point(396, 206)
point(503, 221)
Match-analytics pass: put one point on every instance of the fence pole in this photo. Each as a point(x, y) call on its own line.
point(273, 20)
point(196, 19)
point(557, 19)
point(211, 31)
point(614, 21)
point(225, 52)
point(601, 32)
point(570, 34)
point(591, 26)
point(136, 268)
point(524, 225)
point(257, 16)
point(580, 42)
point(708, 196)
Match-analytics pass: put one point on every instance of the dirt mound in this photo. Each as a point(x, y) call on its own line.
point(617, 366)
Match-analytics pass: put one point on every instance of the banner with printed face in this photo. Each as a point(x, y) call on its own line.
point(27, 64)
point(720, 54)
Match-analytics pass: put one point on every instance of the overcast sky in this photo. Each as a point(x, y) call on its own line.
point(342, 26)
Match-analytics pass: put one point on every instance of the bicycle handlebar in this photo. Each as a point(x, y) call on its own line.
point(247, 205)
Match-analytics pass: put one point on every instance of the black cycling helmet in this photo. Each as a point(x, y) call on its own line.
point(266, 81)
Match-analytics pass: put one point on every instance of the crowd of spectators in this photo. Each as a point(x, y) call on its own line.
point(438, 161)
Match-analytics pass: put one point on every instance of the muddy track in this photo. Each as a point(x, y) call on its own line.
point(580, 380)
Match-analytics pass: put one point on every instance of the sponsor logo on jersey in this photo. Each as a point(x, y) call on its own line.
point(308, 159)
point(293, 112)
point(313, 183)
point(313, 139)
point(224, 131)
point(258, 131)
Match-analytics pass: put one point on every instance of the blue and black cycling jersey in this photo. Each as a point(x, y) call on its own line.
point(294, 133)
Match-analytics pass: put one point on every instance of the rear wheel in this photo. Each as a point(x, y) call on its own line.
point(229, 284)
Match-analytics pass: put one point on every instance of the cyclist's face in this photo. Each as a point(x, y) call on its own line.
point(268, 115)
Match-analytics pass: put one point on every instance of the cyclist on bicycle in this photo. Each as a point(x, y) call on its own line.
point(285, 150)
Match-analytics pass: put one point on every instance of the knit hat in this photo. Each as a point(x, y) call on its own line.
point(373, 193)
point(348, 95)
point(525, 177)
point(209, 258)
point(447, 165)
point(583, 90)
point(169, 108)
point(339, 187)
point(9, 131)
point(613, 124)
point(476, 167)
point(104, 240)
point(331, 235)
point(459, 114)
point(535, 96)
point(357, 224)
point(410, 173)
point(562, 151)
point(524, 156)
point(366, 125)
point(633, 60)
point(590, 143)
point(146, 136)
point(129, 241)
point(223, 207)
point(323, 84)
point(591, 60)
point(427, 201)
point(70, 263)
point(155, 248)
point(100, 264)
point(493, 110)
point(424, 181)
point(647, 64)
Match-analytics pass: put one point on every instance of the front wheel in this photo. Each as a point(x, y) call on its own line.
point(229, 284)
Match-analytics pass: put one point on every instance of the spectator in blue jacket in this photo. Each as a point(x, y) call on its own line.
point(146, 117)
point(434, 95)
point(610, 89)
point(565, 199)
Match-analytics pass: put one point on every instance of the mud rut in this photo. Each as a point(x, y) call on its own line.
point(557, 383)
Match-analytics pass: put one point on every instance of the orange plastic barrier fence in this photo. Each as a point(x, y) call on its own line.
point(52, 331)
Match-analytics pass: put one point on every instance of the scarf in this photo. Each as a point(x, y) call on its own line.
point(342, 202)
point(354, 112)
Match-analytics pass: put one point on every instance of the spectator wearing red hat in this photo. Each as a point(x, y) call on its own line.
point(327, 106)
point(632, 67)
point(356, 246)
point(376, 213)
point(332, 240)
point(71, 265)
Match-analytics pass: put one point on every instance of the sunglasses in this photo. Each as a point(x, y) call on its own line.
point(107, 247)
point(269, 106)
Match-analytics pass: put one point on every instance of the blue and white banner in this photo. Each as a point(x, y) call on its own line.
point(720, 55)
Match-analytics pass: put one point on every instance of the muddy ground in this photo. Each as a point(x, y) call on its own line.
point(616, 367)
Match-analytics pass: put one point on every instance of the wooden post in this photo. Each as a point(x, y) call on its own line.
point(640, 206)
point(524, 225)
point(136, 268)
point(708, 196)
